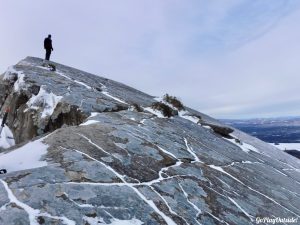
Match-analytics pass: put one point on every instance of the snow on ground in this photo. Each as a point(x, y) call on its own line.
point(90, 120)
point(47, 101)
point(287, 146)
point(10, 74)
point(114, 221)
point(184, 114)
point(25, 157)
point(20, 83)
point(7, 138)
point(155, 112)
point(244, 146)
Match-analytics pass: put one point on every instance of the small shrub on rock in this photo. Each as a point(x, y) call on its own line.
point(174, 102)
point(49, 65)
point(137, 108)
point(52, 67)
point(166, 110)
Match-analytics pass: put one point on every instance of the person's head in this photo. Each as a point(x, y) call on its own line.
point(49, 36)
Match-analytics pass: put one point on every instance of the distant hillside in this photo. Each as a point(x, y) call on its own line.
point(272, 130)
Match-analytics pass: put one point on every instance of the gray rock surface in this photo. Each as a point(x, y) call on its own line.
point(110, 164)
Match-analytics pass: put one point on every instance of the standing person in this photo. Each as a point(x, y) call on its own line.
point(48, 46)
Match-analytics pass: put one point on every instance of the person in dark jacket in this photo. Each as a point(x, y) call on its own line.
point(48, 46)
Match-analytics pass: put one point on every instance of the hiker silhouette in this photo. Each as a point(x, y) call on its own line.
point(48, 46)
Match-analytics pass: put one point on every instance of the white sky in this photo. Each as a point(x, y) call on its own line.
point(229, 59)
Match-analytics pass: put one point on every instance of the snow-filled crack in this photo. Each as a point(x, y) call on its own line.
point(167, 219)
point(199, 211)
point(216, 218)
point(167, 204)
point(191, 151)
point(105, 92)
point(73, 80)
point(258, 192)
point(33, 214)
point(90, 141)
point(237, 205)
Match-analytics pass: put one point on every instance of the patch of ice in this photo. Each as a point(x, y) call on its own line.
point(25, 157)
point(46, 101)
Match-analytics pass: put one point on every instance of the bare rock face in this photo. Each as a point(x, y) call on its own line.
point(98, 154)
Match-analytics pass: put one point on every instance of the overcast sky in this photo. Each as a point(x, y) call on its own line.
point(225, 58)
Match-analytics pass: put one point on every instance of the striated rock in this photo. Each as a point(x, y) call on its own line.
point(98, 154)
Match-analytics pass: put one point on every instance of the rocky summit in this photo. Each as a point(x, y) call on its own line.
point(82, 149)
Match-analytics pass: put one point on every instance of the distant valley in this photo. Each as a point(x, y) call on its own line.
point(272, 130)
point(283, 133)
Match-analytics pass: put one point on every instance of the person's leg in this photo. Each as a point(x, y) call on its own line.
point(48, 52)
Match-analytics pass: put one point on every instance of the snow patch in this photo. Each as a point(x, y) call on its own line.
point(155, 112)
point(114, 221)
point(287, 146)
point(244, 146)
point(7, 138)
point(45, 100)
point(126, 222)
point(25, 157)
point(89, 122)
point(10, 74)
point(184, 114)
